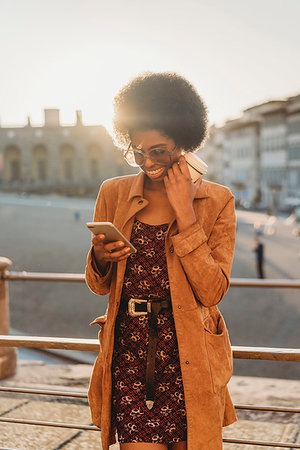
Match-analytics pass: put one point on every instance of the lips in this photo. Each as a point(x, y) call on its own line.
point(155, 173)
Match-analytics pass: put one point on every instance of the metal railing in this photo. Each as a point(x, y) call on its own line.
point(258, 353)
point(92, 345)
point(79, 277)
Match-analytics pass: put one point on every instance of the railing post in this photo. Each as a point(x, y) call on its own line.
point(8, 356)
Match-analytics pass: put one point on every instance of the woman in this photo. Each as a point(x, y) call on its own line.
point(165, 358)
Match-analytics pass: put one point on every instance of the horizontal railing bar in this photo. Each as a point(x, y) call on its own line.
point(49, 342)
point(266, 282)
point(267, 408)
point(262, 353)
point(245, 282)
point(84, 395)
point(40, 276)
point(266, 353)
point(93, 428)
point(262, 443)
point(277, 354)
point(49, 424)
point(43, 392)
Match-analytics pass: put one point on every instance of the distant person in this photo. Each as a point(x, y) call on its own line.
point(258, 229)
point(259, 250)
point(77, 215)
point(160, 379)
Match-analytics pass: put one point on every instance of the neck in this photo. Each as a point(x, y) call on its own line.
point(154, 185)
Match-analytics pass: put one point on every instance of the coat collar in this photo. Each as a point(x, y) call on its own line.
point(137, 187)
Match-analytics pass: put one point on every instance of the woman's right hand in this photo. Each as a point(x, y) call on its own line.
point(110, 252)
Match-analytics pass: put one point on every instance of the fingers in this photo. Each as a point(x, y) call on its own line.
point(184, 167)
point(117, 255)
point(111, 246)
point(112, 251)
point(179, 169)
point(98, 239)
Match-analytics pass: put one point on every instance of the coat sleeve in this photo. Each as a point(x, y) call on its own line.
point(98, 282)
point(206, 260)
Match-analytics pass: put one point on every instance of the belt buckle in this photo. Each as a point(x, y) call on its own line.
point(131, 307)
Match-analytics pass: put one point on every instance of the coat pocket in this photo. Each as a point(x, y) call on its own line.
point(101, 321)
point(219, 351)
point(95, 391)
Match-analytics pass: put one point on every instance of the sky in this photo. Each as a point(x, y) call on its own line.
point(77, 54)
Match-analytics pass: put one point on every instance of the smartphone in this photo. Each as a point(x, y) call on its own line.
point(197, 166)
point(111, 233)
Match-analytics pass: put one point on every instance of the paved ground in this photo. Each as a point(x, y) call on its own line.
point(41, 234)
point(74, 378)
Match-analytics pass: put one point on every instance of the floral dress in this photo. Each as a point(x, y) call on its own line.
point(146, 277)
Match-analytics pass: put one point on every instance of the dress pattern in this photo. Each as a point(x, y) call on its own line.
point(146, 277)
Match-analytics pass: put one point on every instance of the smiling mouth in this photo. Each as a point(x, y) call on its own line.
point(155, 172)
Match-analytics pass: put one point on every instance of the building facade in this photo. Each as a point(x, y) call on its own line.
point(54, 158)
point(261, 155)
point(243, 158)
point(212, 155)
point(293, 151)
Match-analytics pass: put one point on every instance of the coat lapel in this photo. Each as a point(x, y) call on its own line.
point(132, 204)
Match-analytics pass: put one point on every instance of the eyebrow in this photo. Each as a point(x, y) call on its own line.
point(158, 145)
point(152, 147)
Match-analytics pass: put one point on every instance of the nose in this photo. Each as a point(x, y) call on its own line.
point(147, 162)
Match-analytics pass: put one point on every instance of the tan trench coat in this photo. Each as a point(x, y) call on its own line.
point(199, 262)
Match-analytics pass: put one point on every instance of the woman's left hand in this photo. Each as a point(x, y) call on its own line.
point(181, 192)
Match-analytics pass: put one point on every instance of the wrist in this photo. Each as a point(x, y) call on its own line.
point(101, 265)
point(186, 219)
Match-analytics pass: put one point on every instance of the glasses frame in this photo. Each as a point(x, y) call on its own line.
point(131, 161)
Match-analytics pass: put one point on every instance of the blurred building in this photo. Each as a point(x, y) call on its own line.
point(55, 158)
point(243, 158)
point(212, 153)
point(293, 151)
point(260, 155)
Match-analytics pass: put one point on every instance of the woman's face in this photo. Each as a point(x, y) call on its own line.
point(146, 141)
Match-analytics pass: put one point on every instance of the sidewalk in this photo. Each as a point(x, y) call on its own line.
point(32, 374)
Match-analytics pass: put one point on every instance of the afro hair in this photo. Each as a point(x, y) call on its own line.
point(164, 101)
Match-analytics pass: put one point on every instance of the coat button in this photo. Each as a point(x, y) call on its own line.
point(172, 249)
point(179, 306)
point(187, 362)
point(140, 202)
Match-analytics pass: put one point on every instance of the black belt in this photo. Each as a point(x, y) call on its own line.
point(140, 307)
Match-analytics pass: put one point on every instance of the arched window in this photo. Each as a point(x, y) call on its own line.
point(12, 164)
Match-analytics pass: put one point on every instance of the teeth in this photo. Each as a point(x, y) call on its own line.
point(154, 172)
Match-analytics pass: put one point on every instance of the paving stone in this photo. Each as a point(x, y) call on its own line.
point(290, 432)
point(22, 436)
point(6, 404)
point(265, 391)
point(263, 431)
point(37, 373)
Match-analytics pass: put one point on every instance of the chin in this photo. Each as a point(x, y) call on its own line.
point(155, 179)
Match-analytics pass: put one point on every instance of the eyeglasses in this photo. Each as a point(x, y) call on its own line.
point(136, 157)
